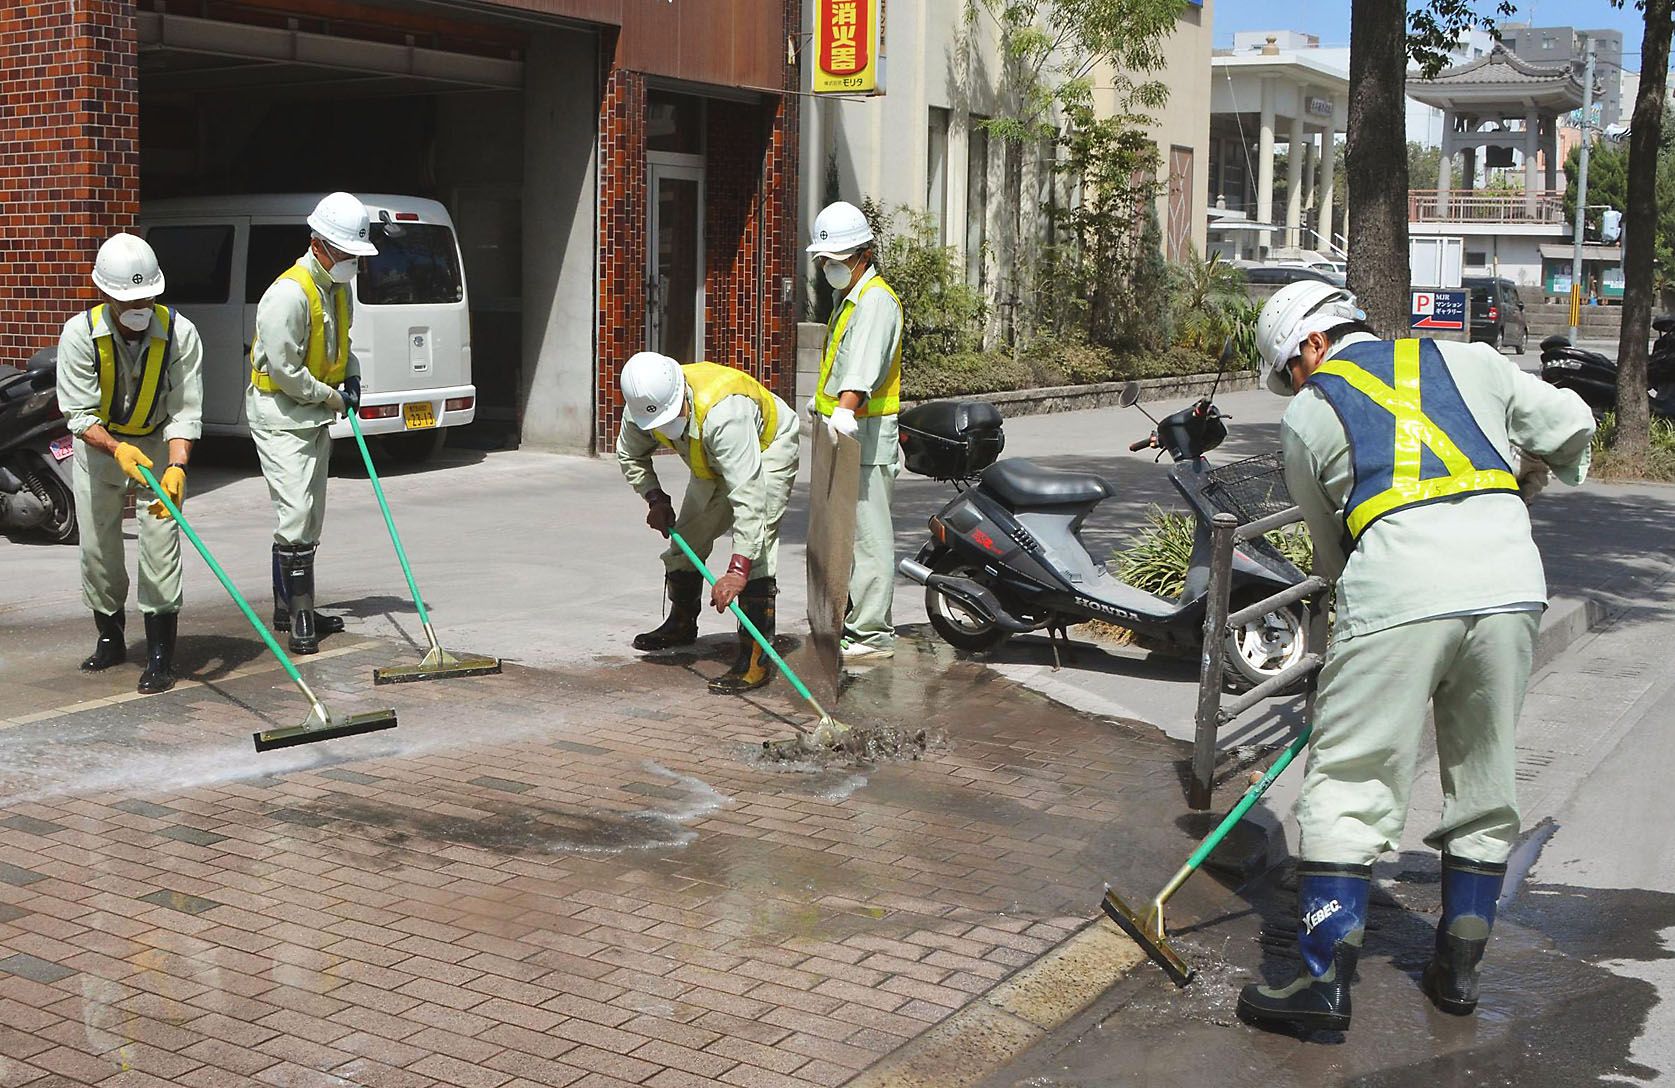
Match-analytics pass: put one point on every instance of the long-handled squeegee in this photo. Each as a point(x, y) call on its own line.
point(1147, 929)
point(438, 664)
point(829, 729)
point(320, 724)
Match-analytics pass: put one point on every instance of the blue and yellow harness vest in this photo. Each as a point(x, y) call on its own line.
point(710, 384)
point(143, 415)
point(1412, 438)
point(330, 368)
point(885, 400)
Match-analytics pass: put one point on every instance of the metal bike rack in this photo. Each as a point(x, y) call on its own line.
point(1225, 533)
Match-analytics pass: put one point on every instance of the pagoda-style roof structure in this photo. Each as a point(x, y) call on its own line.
point(1501, 79)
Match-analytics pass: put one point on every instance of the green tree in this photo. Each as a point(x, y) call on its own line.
point(1607, 181)
point(1424, 165)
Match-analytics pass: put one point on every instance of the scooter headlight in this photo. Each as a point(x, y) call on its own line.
point(1563, 364)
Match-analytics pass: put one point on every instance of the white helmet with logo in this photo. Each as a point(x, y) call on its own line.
point(653, 390)
point(126, 269)
point(1287, 318)
point(342, 221)
point(839, 230)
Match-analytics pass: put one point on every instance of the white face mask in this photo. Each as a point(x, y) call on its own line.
point(673, 429)
point(344, 271)
point(135, 320)
point(837, 274)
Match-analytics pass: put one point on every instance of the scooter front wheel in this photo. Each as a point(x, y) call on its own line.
point(958, 626)
point(1265, 647)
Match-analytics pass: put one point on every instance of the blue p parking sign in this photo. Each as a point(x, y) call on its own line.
point(1439, 310)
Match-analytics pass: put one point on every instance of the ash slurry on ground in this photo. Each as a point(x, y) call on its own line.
point(540, 877)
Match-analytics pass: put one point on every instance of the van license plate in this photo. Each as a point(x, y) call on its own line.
point(418, 415)
point(62, 447)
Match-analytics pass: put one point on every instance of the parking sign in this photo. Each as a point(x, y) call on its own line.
point(1439, 310)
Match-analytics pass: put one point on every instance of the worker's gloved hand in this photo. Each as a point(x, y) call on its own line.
point(173, 483)
point(1533, 479)
point(842, 421)
point(334, 401)
point(728, 587)
point(660, 511)
point(812, 409)
point(351, 392)
point(130, 457)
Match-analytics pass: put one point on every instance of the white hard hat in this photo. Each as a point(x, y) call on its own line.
point(342, 221)
point(1287, 318)
point(839, 230)
point(126, 269)
point(653, 390)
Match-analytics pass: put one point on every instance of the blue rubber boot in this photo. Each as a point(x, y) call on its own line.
point(1332, 900)
point(1470, 890)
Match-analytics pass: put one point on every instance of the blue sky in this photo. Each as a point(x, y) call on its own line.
point(1330, 19)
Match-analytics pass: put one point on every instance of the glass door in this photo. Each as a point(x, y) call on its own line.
point(675, 262)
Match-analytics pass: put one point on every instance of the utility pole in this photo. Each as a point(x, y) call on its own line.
point(1581, 198)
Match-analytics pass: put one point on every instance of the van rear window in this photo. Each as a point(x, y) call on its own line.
point(416, 263)
point(197, 262)
point(274, 247)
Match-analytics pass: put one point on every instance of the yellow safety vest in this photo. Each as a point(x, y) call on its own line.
point(330, 369)
point(710, 384)
point(1412, 438)
point(882, 401)
point(141, 417)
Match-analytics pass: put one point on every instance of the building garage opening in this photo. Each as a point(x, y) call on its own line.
point(252, 98)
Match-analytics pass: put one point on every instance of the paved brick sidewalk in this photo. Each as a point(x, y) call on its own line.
point(540, 878)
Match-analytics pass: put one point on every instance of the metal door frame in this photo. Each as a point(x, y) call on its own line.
point(660, 165)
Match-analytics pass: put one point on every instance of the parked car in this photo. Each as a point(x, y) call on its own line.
point(1287, 273)
point(1497, 312)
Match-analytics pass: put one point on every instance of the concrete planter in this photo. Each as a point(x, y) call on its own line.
point(1071, 398)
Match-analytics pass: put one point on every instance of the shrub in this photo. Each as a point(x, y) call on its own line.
point(1156, 559)
point(943, 316)
point(1610, 463)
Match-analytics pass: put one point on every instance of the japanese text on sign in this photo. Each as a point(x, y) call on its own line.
point(846, 41)
point(1439, 310)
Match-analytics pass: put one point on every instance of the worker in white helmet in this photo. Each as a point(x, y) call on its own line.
point(130, 385)
point(303, 376)
point(859, 394)
point(1401, 456)
point(740, 442)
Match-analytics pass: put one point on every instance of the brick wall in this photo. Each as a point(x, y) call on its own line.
point(622, 235)
point(69, 157)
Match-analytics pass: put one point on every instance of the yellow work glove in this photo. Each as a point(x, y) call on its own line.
point(173, 482)
point(130, 457)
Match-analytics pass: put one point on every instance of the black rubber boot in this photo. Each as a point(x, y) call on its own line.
point(323, 624)
point(1470, 890)
point(680, 627)
point(1332, 900)
point(159, 648)
point(112, 647)
point(299, 590)
point(750, 668)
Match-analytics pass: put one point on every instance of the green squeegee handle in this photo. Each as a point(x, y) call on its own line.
point(383, 504)
point(226, 583)
point(1250, 798)
point(744, 620)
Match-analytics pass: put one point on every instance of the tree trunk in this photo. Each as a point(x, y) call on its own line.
point(1640, 231)
point(1376, 166)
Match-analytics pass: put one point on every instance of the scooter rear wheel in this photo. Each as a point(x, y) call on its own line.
point(1264, 648)
point(958, 627)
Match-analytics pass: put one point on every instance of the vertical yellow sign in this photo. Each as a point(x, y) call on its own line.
point(1575, 305)
point(847, 38)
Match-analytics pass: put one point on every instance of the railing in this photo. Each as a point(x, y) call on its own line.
point(1225, 532)
point(1478, 206)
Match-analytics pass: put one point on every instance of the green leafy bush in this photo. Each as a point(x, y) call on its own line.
point(1611, 464)
point(943, 315)
point(1156, 558)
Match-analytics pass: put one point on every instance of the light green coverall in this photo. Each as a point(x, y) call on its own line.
point(1437, 608)
point(290, 426)
point(751, 489)
point(863, 360)
point(101, 487)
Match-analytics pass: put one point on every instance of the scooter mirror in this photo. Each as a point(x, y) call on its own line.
point(1129, 395)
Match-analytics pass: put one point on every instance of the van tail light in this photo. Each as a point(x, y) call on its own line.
point(407, 217)
point(458, 404)
point(379, 411)
point(1494, 313)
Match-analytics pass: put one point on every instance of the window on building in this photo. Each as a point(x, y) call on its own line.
point(1477, 258)
point(936, 171)
point(1548, 41)
point(674, 122)
point(198, 261)
point(976, 202)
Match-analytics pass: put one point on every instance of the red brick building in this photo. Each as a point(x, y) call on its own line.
point(622, 173)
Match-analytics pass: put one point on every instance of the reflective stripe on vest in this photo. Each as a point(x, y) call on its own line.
point(882, 401)
point(710, 384)
point(141, 416)
point(330, 369)
point(1412, 438)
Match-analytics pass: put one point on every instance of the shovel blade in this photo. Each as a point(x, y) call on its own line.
point(438, 664)
point(1156, 947)
point(314, 729)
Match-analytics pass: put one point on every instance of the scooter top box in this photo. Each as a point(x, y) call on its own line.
point(951, 439)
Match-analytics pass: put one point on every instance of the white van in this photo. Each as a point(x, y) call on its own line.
point(411, 333)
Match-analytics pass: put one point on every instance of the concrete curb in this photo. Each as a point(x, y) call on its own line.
point(1075, 398)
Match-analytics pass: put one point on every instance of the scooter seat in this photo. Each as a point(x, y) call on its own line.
point(1023, 484)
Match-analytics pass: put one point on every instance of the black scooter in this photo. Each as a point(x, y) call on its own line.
point(1006, 555)
point(36, 453)
point(1592, 375)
